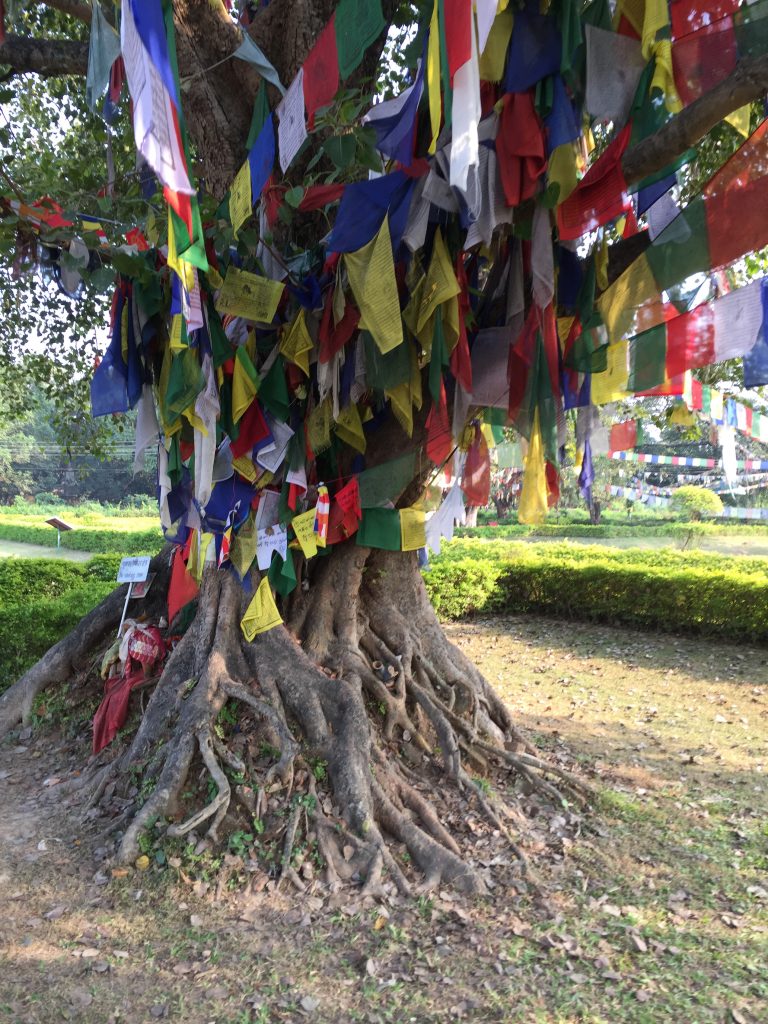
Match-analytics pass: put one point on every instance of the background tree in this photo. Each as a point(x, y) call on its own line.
point(372, 690)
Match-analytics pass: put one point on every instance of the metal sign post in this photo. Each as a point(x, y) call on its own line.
point(132, 570)
point(58, 525)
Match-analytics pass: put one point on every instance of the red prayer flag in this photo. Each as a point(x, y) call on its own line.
point(623, 436)
point(736, 202)
point(476, 479)
point(182, 588)
point(253, 428)
point(438, 426)
point(522, 157)
point(600, 196)
point(317, 196)
point(461, 360)
point(321, 72)
point(458, 26)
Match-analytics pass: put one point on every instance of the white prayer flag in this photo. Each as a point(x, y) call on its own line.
point(292, 129)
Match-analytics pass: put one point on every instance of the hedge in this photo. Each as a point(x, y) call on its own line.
point(30, 578)
point(562, 551)
point(96, 539)
point(42, 599)
point(633, 591)
point(613, 530)
point(29, 628)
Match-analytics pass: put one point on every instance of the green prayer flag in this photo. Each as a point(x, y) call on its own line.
point(380, 528)
point(358, 24)
point(282, 574)
point(174, 461)
point(260, 115)
point(274, 391)
point(185, 382)
point(682, 248)
point(387, 481)
point(383, 372)
point(647, 359)
point(221, 346)
point(438, 359)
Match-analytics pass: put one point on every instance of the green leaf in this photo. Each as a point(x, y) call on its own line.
point(103, 278)
point(341, 150)
point(294, 196)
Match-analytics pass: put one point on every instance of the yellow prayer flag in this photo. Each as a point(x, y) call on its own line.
point(440, 285)
point(240, 197)
point(243, 549)
point(198, 551)
point(619, 303)
point(190, 415)
point(664, 76)
point(245, 467)
point(318, 425)
point(533, 497)
point(433, 76)
point(177, 323)
point(371, 272)
point(611, 384)
point(740, 119)
point(350, 428)
point(564, 325)
point(494, 56)
point(487, 431)
point(402, 405)
point(249, 295)
point(262, 613)
point(304, 528)
point(413, 528)
point(185, 270)
point(562, 170)
point(296, 344)
point(245, 385)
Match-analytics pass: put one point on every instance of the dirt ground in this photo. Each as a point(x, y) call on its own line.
point(656, 912)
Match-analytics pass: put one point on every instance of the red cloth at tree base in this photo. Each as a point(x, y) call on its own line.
point(113, 710)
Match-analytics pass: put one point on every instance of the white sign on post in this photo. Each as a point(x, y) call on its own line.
point(133, 570)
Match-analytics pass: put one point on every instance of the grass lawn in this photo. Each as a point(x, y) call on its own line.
point(657, 912)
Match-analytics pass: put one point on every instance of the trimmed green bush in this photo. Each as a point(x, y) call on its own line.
point(29, 628)
point(695, 502)
point(127, 542)
point(649, 590)
point(24, 579)
point(41, 599)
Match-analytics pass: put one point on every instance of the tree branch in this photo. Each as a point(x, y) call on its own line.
point(747, 83)
point(46, 57)
point(83, 12)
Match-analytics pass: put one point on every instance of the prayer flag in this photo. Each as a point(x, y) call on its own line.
point(262, 613)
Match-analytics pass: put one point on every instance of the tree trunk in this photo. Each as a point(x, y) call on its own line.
point(358, 725)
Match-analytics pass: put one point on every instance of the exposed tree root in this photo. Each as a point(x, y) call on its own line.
point(347, 721)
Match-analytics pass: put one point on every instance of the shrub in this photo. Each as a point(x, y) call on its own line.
point(663, 590)
point(29, 628)
point(695, 502)
point(86, 538)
